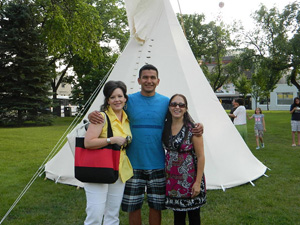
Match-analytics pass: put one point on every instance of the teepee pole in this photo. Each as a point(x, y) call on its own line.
point(181, 19)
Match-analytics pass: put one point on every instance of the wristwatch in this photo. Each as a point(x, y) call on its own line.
point(128, 139)
point(108, 140)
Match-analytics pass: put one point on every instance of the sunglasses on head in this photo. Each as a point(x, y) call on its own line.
point(174, 104)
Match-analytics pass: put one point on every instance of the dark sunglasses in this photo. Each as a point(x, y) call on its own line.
point(174, 104)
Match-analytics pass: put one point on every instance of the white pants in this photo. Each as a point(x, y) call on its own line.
point(103, 199)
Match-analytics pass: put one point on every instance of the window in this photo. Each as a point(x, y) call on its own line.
point(284, 98)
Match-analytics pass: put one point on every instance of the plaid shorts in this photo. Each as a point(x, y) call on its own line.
point(151, 181)
point(295, 125)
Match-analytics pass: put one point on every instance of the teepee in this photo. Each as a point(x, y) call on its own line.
point(157, 38)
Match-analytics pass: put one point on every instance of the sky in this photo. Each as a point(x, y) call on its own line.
point(232, 10)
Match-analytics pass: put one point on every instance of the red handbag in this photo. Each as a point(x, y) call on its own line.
point(97, 165)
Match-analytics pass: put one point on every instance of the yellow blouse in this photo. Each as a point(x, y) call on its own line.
point(119, 128)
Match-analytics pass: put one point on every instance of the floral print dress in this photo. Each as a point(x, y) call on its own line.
point(181, 169)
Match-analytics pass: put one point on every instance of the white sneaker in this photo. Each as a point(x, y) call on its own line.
point(262, 145)
point(257, 147)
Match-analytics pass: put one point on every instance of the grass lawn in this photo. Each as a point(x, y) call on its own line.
point(273, 200)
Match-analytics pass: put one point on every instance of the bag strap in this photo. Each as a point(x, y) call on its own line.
point(109, 130)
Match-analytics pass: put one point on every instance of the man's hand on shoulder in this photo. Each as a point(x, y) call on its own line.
point(198, 129)
point(96, 117)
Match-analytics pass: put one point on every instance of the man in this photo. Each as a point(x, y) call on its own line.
point(240, 118)
point(146, 111)
point(233, 109)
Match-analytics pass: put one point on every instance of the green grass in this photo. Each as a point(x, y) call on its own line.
point(273, 200)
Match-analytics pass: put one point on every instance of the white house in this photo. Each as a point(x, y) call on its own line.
point(281, 98)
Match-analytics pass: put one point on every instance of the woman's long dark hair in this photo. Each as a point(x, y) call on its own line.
point(294, 103)
point(187, 121)
point(109, 88)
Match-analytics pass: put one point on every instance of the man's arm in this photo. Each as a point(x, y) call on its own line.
point(232, 115)
point(95, 117)
point(198, 129)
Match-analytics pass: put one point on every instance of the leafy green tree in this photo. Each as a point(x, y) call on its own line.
point(24, 71)
point(83, 30)
point(197, 33)
point(210, 43)
point(240, 70)
point(294, 76)
point(88, 74)
point(88, 78)
point(276, 42)
point(243, 85)
point(257, 87)
point(270, 77)
point(79, 32)
point(218, 44)
point(79, 29)
point(255, 68)
point(262, 84)
point(115, 26)
point(70, 27)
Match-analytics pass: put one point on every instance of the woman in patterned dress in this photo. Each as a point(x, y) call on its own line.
point(185, 181)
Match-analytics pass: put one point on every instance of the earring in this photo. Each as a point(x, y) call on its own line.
point(125, 106)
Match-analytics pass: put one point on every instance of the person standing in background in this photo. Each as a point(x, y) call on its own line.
point(295, 121)
point(240, 118)
point(259, 127)
point(232, 109)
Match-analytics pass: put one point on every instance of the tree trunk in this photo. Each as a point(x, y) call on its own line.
point(293, 78)
point(55, 101)
point(256, 99)
point(20, 117)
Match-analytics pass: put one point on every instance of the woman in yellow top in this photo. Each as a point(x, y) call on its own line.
point(105, 199)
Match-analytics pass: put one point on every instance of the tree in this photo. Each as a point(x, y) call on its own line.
point(240, 69)
point(70, 27)
point(24, 71)
point(255, 68)
point(79, 32)
point(88, 74)
point(88, 78)
point(257, 87)
point(210, 43)
point(243, 85)
point(295, 60)
point(114, 19)
point(219, 43)
point(276, 42)
point(197, 33)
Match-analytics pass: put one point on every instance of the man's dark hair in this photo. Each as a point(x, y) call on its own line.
point(148, 67)
point(240, 101)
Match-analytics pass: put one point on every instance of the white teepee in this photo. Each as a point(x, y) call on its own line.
point(157, 38)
